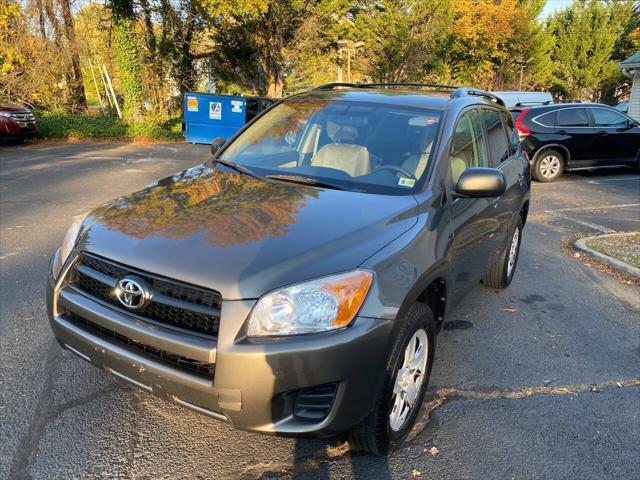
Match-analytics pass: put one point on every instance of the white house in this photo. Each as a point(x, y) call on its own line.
point(631, 68)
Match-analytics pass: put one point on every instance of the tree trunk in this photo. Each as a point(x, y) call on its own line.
point(184, 73)
point(77, 96)
point(275, 83)
point(127, 58)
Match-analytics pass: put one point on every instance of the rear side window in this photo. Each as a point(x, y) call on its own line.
point(467, 145)
point(496, 136)
point(546, 120)
point(573, 117)
point(603, 117)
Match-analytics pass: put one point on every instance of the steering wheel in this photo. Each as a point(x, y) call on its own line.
point(395, 168)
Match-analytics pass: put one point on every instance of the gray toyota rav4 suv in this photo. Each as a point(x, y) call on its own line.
point(294, 283)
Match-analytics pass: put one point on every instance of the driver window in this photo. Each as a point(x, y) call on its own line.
point(468, 147)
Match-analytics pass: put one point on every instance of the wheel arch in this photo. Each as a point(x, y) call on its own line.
point(524, 212)
point(553, 146)
point(431, 290)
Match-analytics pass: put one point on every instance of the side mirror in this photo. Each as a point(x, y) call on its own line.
point(478, 182)
point(216, 144)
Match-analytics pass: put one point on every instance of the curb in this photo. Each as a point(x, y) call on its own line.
point(623, 267)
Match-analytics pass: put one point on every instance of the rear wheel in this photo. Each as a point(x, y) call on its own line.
point(549, 166)
point(502, 271)
point(400, 398)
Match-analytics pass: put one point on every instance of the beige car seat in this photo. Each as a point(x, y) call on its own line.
point(352, 159)
point(416, 164)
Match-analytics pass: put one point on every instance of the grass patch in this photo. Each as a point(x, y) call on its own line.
point(622, 247)
point(60, 125)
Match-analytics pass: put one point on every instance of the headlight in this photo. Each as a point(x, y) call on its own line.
point(5, 114)
point(68, 243)
point(323, 304)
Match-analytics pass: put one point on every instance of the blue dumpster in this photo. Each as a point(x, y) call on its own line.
point(208, 116)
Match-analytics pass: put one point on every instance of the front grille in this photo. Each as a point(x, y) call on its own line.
point(174, 304)
point(24, 119)
point(154, 353)
point(314, 404)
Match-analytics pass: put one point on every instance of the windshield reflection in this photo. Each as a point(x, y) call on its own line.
point(230, 209)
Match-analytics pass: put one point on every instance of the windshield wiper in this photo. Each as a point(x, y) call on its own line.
point(305, 181)
point(237, 167)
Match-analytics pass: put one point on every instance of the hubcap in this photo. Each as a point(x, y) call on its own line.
point(409, 379)
point(513, 251)
point(550, 166)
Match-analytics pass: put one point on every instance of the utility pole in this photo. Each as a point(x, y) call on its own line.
point(521, 62)
point(343, 45)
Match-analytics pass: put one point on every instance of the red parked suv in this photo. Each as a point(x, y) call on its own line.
point(16, 122)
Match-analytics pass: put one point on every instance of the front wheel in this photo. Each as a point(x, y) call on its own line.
point(549, 166)
point(400, 398)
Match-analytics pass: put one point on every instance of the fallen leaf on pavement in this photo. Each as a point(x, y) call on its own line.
point(433, 451)
point(508, 309)
point(416, 473)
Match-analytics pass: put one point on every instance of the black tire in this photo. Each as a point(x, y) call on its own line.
point(499, 275)
point(540, 170)
point(374, 434)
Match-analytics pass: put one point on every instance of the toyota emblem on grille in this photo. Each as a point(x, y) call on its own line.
point(132, 293)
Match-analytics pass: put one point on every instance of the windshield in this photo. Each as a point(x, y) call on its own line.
point(349, 145)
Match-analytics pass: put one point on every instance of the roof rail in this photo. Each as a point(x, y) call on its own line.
point(461, 92)
point(533, 104)
point(331, 86)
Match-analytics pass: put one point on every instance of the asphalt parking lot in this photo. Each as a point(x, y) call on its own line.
point(541, 380)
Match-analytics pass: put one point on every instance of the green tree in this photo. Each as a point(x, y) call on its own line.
point(127, 58)
point(586, 34)
point(400, 36)
point(251, 42)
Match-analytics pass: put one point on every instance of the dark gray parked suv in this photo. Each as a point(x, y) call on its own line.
point(294, 284)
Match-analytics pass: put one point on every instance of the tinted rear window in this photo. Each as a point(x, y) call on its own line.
point(573, 117)
point(548, 119)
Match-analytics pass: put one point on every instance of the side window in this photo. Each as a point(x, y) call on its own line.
point(546, 120)
point(512, 135)
point(572, 117)
point(496, 136)
point(468, 147)
point(603, 117)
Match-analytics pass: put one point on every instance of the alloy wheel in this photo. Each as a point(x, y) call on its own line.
point(513, 252)
point(409, 378)
point(550, 166)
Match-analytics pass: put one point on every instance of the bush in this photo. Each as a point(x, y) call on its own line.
point(61, 125)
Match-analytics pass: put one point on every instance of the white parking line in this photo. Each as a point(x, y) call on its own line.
point(602, 207)
point(620, 179)
point(594, 226)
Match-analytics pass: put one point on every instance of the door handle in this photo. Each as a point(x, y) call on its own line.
point(562, 132)
point(602, 133)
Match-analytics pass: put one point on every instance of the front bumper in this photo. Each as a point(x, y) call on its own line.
point(255, 383)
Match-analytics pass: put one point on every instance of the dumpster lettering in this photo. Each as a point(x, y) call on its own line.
point(236, 106)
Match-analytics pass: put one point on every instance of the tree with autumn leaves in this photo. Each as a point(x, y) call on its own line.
point(156, 50)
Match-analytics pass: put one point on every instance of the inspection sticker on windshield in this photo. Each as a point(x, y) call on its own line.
point(406, 182)
point(215, 110)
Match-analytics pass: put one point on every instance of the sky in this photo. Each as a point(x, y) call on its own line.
point(552, 6)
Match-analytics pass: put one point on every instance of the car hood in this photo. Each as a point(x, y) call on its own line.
point(11, 107)
point(244, 236)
